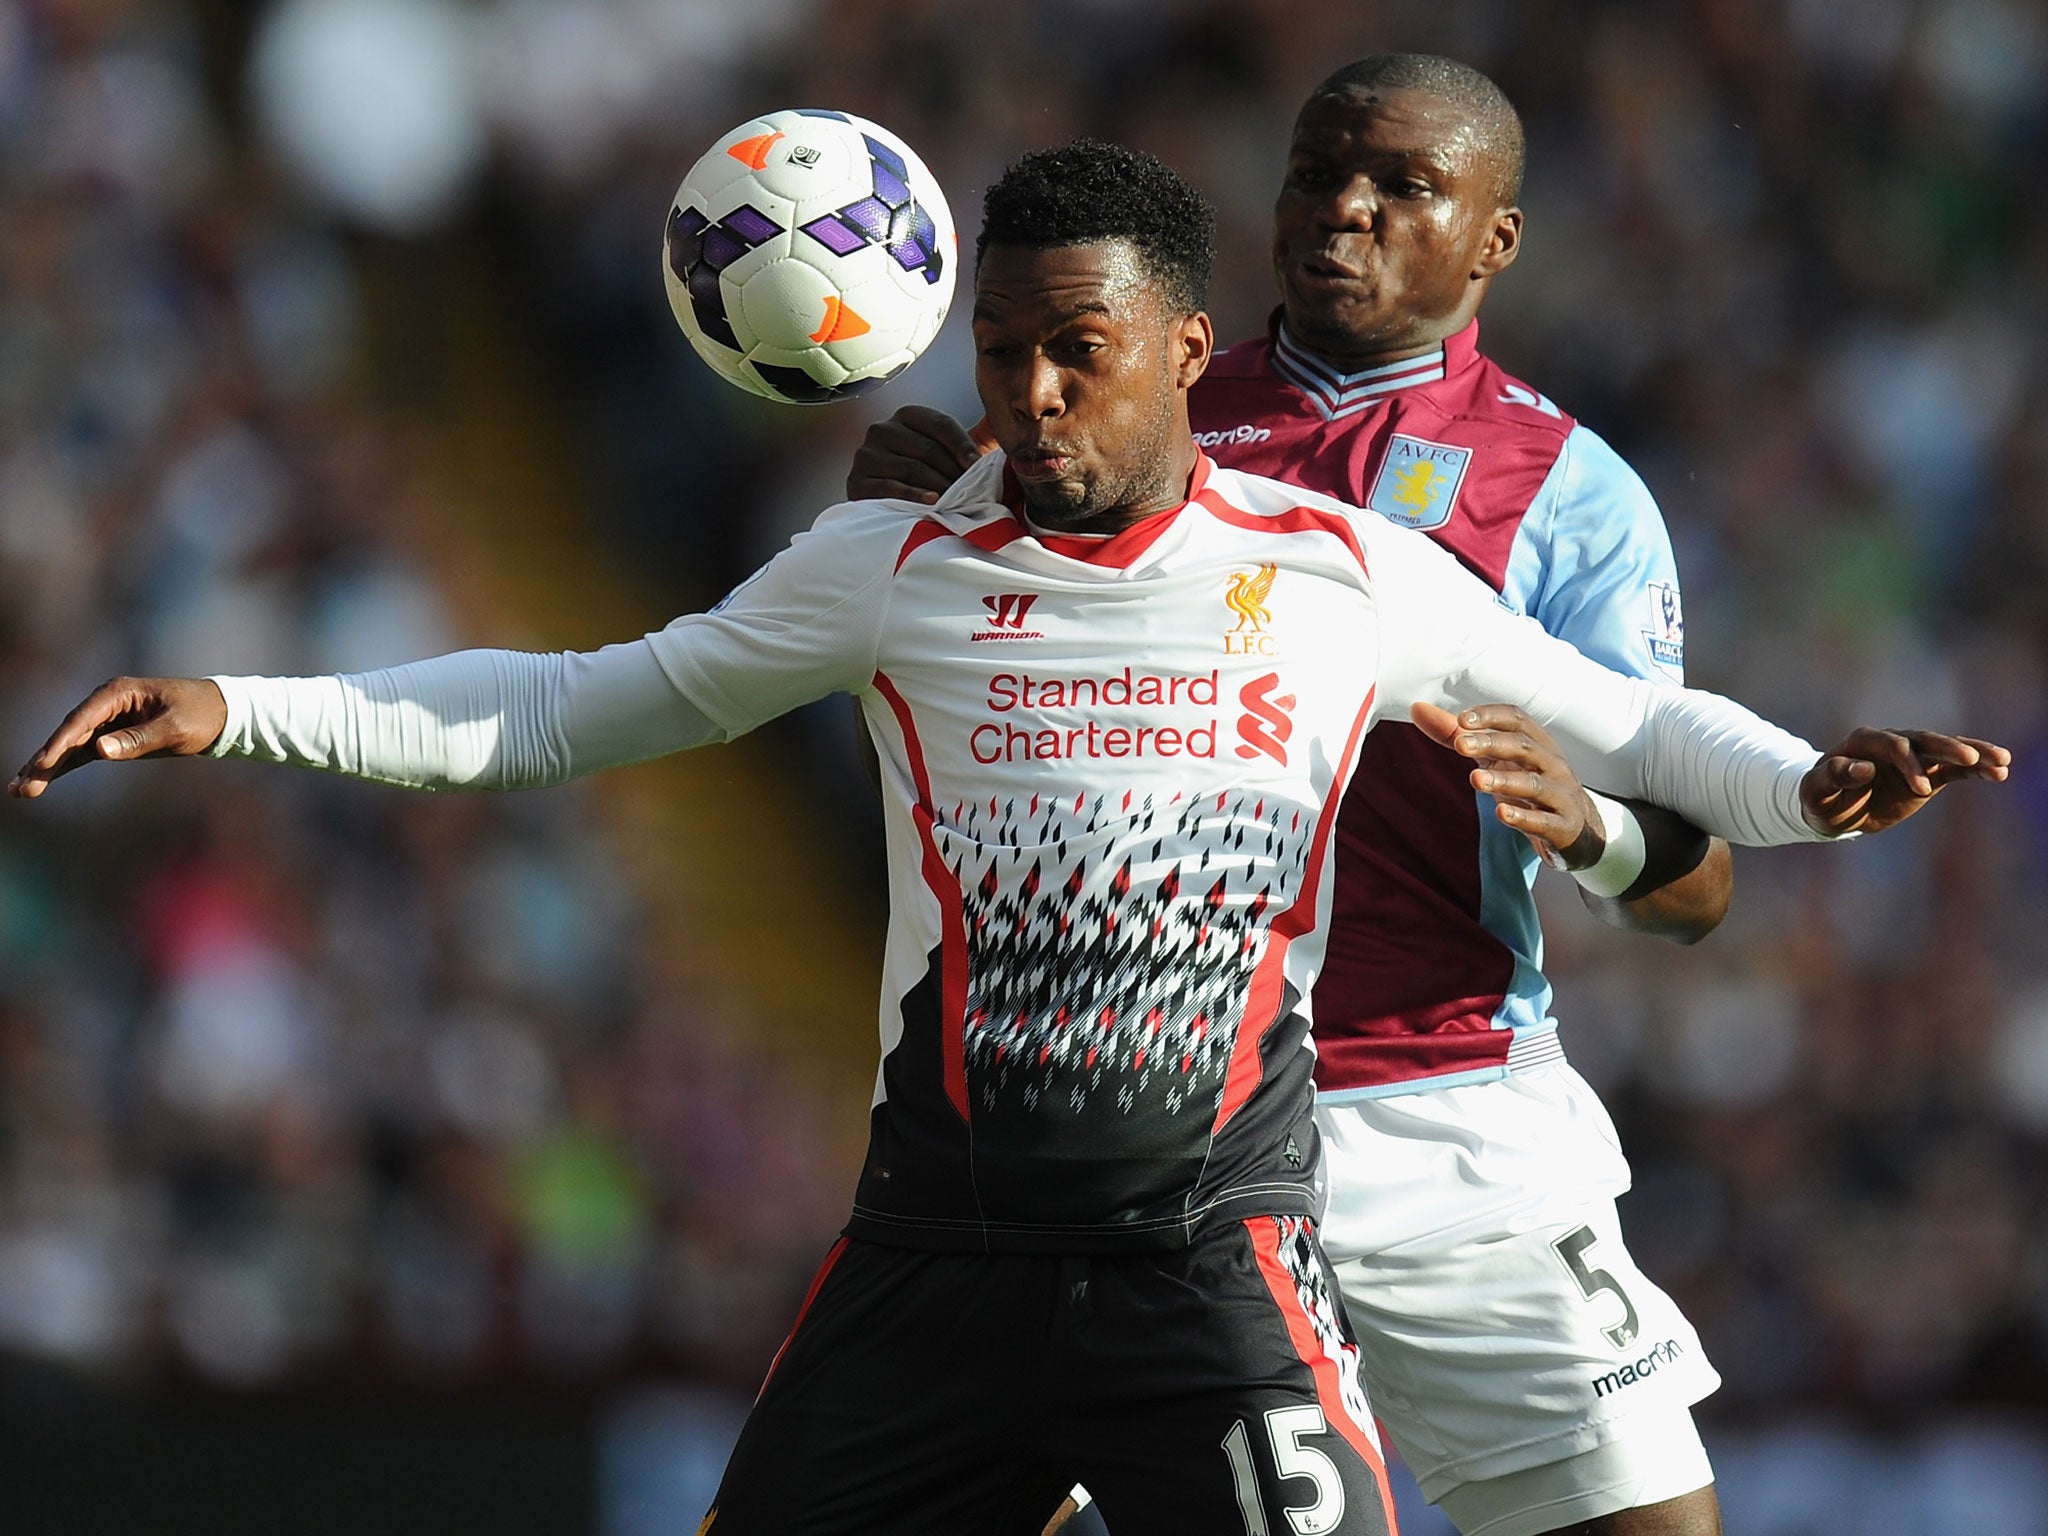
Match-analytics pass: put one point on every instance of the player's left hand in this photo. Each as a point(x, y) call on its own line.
point(1520, 764)
point(1875, 779)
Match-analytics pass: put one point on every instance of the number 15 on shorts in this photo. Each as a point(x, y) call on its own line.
point(1285, 1428)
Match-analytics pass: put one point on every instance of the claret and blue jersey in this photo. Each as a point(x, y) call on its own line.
point(1434, 969)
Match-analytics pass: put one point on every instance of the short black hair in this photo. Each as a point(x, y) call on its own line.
point(1087, 191)
point(1486, 106)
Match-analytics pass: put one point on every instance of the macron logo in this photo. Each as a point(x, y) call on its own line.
point(1638, 1370)
point(1007, 613)
point(1232, 437)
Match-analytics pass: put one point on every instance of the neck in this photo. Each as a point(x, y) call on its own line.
point(1350, 354)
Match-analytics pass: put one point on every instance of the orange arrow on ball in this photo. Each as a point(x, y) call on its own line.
point(841, 323)
point(753, 153)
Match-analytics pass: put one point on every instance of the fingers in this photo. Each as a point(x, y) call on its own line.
point(1956, 759)
point(123, 719)
point(1519, 764)
point(1875, 779)
point(1549, 830)
point(913, 456)
point(1836, 793)
point(70, 745)
point(1439, 725)
point(938, 428)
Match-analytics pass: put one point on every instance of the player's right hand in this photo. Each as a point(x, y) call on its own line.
point(1875, 779)
point(915, 455)
point(128, 717)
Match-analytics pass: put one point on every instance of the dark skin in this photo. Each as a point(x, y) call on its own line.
point(1084, 370)
point(1389, 229)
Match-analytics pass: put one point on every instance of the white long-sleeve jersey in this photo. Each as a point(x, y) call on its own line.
point(1111, 768)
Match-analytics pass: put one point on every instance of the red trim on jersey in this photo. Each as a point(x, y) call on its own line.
point(920, 536)
point(1262, 996)
point(1294, 520)
point(952, 909)
point(1308, 1345)
point(817, 1284)
point(987, 536)
point(1119, 550)
point(993, 536)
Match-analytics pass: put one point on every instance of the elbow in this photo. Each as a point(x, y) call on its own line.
point(1702, 899)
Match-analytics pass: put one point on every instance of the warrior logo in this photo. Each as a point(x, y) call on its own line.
point(1007, 612)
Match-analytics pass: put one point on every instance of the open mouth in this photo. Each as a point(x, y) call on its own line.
point(1040, 463)
point(1323, 268)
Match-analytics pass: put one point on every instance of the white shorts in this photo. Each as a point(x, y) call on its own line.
point(1512, 1349)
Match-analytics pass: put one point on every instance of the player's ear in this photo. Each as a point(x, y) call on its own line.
point(1503, 244)
point(1194, 340)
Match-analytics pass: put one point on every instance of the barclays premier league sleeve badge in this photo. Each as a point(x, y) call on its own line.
point(1417, 485)
point(1666, 633)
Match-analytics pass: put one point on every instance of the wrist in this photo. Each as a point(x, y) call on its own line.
point(1621, 863)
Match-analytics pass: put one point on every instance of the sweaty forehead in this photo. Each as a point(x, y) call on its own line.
point(1383, 120)
point(1100, 277)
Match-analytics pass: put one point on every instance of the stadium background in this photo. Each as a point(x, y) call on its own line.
point(390, 1163)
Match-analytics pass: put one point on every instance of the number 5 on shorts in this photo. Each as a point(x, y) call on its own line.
point(1284, 1428)
point(1572, 1249)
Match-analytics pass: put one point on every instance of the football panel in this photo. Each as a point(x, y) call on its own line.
point(791, 306)
point(809, 157)
point(889, 324)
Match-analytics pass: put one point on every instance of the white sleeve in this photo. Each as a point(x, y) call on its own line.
point(473, 720)
point(1445, 639)
point(806, 624)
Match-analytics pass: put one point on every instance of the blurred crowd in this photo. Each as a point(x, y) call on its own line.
point(301, 1081)
point(298, 1077)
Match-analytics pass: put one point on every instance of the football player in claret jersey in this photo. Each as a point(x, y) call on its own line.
point(1117, 692)
point(1466, 1157)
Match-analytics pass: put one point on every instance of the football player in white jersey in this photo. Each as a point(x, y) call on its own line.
point(1117, 691)
point(1462, 1148)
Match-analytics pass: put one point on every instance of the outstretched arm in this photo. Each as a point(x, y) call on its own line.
point(473, 720)
point(1445, 641)
point(804, 625)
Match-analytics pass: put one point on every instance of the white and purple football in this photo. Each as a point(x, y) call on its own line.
point(810, 256)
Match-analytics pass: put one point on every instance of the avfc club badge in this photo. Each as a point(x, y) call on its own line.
point(1418, 484)
point(1666, 633)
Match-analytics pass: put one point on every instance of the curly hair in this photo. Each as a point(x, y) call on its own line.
point(1089, 190)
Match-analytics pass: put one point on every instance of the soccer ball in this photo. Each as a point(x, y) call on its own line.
point(810, 256)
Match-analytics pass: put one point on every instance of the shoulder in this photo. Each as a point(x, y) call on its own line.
point(1262, 505)
point(1491, 402)
point(1595, 483)
point(894, 530)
